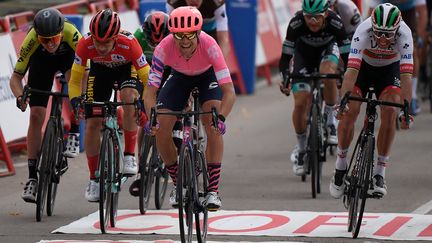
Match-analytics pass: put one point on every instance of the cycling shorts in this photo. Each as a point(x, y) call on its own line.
point(380, 78)
point(102, 78)
point(42, 68)
point(309, 60)
point(177, 88)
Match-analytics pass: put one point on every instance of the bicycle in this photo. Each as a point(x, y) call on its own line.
point(110, 169)
point(152, 170)
point(192, 177)
point(317, 133)
point(52, 164)
point(358, 178)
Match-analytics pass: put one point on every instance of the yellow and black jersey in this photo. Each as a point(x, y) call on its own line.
point(31, 45)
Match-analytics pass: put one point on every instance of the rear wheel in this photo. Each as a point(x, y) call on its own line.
point(105, 172)
point(44, 170)
point(161, 181)
point(146, 180)
point(185, 200)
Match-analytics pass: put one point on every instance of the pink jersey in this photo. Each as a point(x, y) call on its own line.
point(206, 55)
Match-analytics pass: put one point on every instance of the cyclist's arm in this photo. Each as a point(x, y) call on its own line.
point(16, 84)
point(406, 49)
point(228, 98)
point(349, 80)
point(150, 94)
point(77, 74)
point(288, 46)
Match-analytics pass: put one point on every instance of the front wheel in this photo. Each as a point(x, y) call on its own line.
point(56, 169)
point(201, 215)
point(161, 182)
point(146, 181)
point(105, 173)
point(184, 194)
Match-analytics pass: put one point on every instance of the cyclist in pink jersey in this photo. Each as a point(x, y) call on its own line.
point(196, 61)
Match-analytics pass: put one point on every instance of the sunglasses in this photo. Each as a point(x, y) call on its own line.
point(54, 39)
point(313, 16)
point(386, 34)
point(189, 36)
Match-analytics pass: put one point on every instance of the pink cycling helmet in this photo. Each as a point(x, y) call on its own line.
point(185, 19)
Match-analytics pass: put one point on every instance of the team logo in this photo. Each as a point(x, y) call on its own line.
point(117, 58)
point(78, 60)
point(141, 61)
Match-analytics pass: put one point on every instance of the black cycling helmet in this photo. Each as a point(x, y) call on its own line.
point(155, 27)
point(48, 22)
point(105, 25)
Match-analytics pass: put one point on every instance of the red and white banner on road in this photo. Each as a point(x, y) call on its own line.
point(388, 226)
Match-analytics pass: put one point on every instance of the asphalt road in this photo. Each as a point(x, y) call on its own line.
point(256, 175)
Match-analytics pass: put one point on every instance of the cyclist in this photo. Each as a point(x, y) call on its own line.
point(316, 38)
point(349, 14)
point(49, 47)
point(196, 61)
point(215, 20)
point(149, 35)
point(382, 57)
point(414, 14)
point(115, 56)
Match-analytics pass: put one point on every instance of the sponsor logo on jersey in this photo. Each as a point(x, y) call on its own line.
point(78, 60)
point(123, 46)
point(117, 57)
point(336, 23)
point(406, 56)
point(213, 85)
point(213, 52)
point(141, 61)
point(355, 51)
point(296, 23)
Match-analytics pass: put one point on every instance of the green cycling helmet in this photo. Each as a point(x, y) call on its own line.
point(315, 6)
point(386, 17)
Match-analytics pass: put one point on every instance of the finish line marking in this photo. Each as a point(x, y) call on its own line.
point(388, 226)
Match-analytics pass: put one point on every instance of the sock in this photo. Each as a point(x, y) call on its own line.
point(130, 141)
point(341, 160)
point(381, 165)
point(32, 167)
point(331, 120)
point(92, 162)
point(172, 171)
point(301, 139)
point(214, 170)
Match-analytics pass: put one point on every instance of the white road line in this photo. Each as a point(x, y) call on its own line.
point(423, 209)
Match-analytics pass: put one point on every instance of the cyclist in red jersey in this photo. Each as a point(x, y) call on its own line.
point(115, 56)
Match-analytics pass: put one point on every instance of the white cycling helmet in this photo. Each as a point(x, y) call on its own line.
point(386, 17)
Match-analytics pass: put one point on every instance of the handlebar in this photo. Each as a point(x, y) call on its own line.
point(154, 114)
point(110, 105)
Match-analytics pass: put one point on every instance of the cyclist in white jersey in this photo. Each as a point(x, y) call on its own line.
point(414, 13)
point(381, 56)
point(349, 14)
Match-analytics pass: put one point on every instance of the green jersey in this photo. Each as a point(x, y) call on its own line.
point(146, 48)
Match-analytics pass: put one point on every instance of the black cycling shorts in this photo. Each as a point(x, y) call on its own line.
point(177, 88)
point(101, 81)
point(379, 78)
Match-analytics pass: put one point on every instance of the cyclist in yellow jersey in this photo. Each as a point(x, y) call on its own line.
point(49, 47)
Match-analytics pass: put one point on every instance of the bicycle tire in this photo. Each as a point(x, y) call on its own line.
point(105, 172)
point(314, 151)
point(185, 200)
point(116, 183)
point(56, 173)
point(144, 168)
point(44, 170)
point(365, 182)
point(161, 181)
point(351, 186)
point(201, 216)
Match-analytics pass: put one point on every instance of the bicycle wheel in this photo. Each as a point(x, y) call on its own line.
point(45, 169)
point(115, 183)
point(314, 150)
point(185, 200)
point(146, 173)
point(56, 169)
point(105, 172)
point(364, 183)
point(201, 215)
point(161, 181)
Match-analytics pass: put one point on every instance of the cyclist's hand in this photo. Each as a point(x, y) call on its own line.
point(220, 127)
point(339, 113)
point(285, 90)
point(149, 130)
point(403, 123)
point(21, 104)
